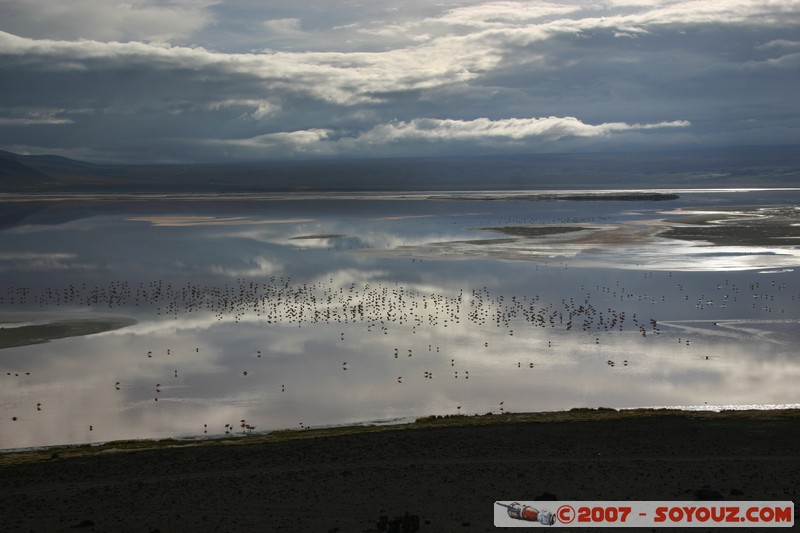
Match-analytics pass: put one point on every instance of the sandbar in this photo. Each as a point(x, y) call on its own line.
point(28, 334)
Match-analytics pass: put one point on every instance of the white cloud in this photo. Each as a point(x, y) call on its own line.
point(550, 128)
point(30, 261)
point(34, 116)
point(484, 16)
point(340, 78)
point(313, 142)
point(149, 20)
point(786, 61)
point(290, 139)
point(33, 121)
point(288, 27)
point(637, 3)
point(779, 43)
point(478, 131)
point(35, 256)
point(350, 78)
point(261, 109)
point(538, 20)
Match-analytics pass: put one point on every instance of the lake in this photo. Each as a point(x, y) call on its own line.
point(152, 316)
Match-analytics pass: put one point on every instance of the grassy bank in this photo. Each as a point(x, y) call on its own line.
point(56, 453)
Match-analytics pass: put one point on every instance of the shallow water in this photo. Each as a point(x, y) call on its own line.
point(297, 311)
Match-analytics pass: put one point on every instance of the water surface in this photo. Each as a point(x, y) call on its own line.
point(134, 317)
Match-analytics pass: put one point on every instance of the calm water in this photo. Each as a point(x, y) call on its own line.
point(304, 311)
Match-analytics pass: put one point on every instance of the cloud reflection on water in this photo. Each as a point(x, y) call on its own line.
point(741, 324)
point(74, 379)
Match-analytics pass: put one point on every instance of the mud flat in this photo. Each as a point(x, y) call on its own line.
point(532, 232)
point(444, 472)
point(749, 226)
point(752, 238)
point(321, 236)
point(587, 196)
point(12, 335)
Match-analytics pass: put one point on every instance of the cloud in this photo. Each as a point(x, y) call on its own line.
point(29, 261)
point(477, 132)
point(481, 16)
point(366, 77)
point(344, 79)
point(528, 22)
point(358, 74)
point(499, 14)
point(551, 128)
point(35, 256)
point(284, 27)
point(149, 20)
point(779, 43)
point(261, 109)
point(33, 120)
point(288, 142)
point(786, 61)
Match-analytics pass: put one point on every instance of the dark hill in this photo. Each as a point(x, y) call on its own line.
point(16, 174)
point(764, 166)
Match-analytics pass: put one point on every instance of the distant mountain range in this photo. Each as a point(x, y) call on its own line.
point(772, 166)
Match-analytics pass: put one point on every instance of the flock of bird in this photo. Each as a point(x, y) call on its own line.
point(377, 305)
point(381, 307)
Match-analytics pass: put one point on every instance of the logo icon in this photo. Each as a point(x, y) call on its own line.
point(529, 514)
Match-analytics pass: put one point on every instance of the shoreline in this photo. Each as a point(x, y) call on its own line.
point(578, 414)
point(441, 472)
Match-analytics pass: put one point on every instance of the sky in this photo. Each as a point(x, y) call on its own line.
point(243, 80)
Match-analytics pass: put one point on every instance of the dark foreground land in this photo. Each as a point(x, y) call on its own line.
point(447, 473)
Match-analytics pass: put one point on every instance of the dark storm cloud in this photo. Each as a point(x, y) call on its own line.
point(255, 80)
